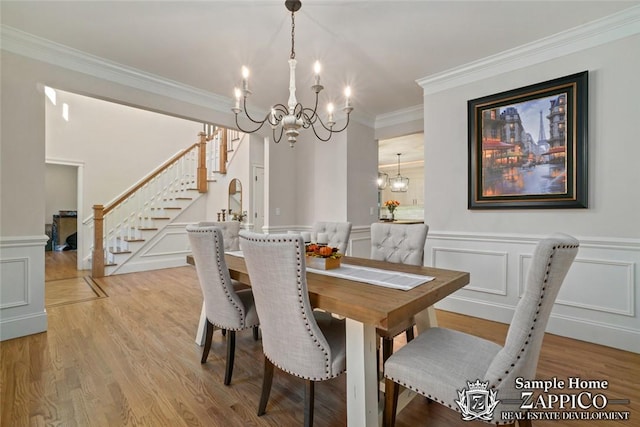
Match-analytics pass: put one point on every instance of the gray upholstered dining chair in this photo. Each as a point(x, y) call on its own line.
point(441, 362)
point(337, 232)
point(225, 308)
point(230, 233)
point(295, 338)
point(403, 244)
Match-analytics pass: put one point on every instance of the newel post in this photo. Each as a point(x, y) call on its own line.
point(223, 152)
point(97, 258)
point(202, 163)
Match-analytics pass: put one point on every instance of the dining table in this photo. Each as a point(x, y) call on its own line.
point(369, 310)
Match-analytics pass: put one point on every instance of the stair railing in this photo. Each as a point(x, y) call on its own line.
point(224, 141)
point(121, 221)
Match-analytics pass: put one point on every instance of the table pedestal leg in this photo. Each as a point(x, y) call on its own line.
point(362, 375)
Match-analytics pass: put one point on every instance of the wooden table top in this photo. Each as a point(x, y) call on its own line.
point(387, 309)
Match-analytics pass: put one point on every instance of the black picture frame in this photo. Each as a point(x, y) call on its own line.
point(520, 161)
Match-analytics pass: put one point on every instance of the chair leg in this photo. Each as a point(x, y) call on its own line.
point(207, 341)
point(231, 351)
point(409, 334)
point(387, 348)
point(391, 390)
point(266, 386)
point(308, 402)
point(256, 335)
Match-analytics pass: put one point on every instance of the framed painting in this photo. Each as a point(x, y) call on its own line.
point(528, 146)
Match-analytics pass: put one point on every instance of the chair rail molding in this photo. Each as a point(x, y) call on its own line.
point(597, 303)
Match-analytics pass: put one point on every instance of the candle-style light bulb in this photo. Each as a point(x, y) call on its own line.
point(316, 69)
point(238, 95)
point(347, 95)
point(245, 78)
point(330, 111)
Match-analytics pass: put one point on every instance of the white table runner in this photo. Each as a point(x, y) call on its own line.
point(372, 276)
point(376, 276)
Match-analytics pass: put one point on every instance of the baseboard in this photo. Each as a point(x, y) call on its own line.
point(566, 326)
point(20, 326)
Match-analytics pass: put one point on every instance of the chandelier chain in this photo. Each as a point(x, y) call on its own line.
point(293, 39)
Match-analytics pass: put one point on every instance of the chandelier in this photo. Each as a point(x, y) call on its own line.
point(399, 184)
point(287, 120)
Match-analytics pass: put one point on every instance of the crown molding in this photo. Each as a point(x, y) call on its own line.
point(617, 26)
point(40, 49)
point(398, 117)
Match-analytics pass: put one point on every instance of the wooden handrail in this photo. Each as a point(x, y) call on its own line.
point(157, 172)
point(99, 211)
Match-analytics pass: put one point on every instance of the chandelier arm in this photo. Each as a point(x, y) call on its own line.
point(314, 116)
point(246, 113)
point(277, 140)
point(318, 119)
point(240, 128)
point(321, 138)
point(298, 110)
point(345, 125)
point(331, 129)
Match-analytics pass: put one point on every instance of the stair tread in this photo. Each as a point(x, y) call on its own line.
point(148, 228)
point(120, 252)
point(126, 239)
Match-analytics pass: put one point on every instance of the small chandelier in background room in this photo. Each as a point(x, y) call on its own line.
point(382, 181)
point(399, 184)
point(288, 119)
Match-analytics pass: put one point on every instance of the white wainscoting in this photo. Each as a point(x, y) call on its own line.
point(360, 242)
point(597, 302)
point(169, 248)
point(22, 309)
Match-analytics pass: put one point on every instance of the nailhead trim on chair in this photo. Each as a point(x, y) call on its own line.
point(301, 306)
point(541, 297)
point(225, 287)
point(546, 276)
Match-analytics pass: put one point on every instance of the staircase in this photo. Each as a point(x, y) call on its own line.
point(126, 227)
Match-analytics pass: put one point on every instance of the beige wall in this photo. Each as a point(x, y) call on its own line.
point(599, 299)
point(614, 200)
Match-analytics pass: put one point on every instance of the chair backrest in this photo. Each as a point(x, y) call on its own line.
point(222, 305)
point(551, 261)
point(400, 243)
point(337, 232)
point(291, 338)
point(230, 233)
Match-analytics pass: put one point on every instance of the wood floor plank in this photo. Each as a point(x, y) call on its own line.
point(131, 360)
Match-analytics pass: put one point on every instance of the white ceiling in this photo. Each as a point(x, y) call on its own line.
point(379, 48)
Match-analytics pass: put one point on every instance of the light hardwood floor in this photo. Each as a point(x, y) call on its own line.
point(130, 359)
